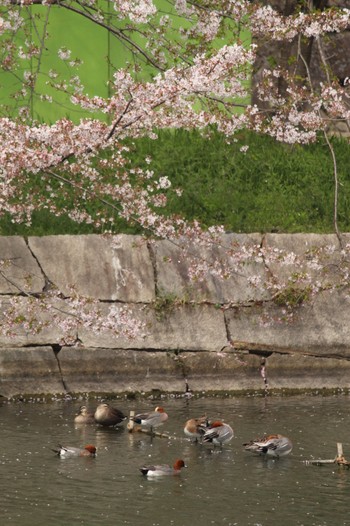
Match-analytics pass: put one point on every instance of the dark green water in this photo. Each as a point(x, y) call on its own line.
point(221, 487)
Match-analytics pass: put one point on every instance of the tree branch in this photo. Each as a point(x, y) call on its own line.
point(116, 32)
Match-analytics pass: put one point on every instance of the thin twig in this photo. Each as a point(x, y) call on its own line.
point(329, 144)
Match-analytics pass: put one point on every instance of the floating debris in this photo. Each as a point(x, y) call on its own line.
point(339, 459)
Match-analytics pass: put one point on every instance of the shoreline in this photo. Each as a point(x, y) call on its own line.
point(86, 397)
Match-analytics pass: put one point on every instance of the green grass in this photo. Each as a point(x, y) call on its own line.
point(272, 187)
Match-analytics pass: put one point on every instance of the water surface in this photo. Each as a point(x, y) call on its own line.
point(220, 486)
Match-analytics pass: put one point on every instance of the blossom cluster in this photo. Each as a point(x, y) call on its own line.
point(139, 11)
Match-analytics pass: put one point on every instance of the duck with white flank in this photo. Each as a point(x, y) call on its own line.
point(271, 446)
point(151, 420)
point(64, 452)
point(218, 433)
point(163, 469)
point(196, 427)
point(107, 416)
point(84, 416)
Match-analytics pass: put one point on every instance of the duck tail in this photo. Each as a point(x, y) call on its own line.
point(57, 451)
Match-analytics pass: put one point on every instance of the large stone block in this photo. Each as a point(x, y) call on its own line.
point(167, 327)
point(116, 370)
point(172, 268)
point(37, 326)
point(29, 371)
point(115, 268)
point(223, 372)
point(300, 244)
point(298, 371)
point(19, 269)
point(321, 328)
point(317, 256)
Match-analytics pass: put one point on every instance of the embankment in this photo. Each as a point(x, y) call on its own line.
point(219, 335)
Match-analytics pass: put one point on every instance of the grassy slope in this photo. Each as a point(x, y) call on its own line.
point(272, 187)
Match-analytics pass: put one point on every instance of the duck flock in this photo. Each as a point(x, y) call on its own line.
point(200, 429)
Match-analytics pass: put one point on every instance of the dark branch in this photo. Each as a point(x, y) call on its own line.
point(114, 31)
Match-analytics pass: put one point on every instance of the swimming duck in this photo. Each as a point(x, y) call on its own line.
point(196, 427)
point(163, 469)
point(153, 419)
point(87, 451)
point(106, 415)
point(218, 433)
point(271, 446)
point(84, 416)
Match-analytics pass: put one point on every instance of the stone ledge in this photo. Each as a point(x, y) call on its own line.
point(108, 370)
point(114, 371)
point(29, 370)
point(285, 371)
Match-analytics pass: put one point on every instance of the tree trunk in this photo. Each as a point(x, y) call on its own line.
point(271, 53)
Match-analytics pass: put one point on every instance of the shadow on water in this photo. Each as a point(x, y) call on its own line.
point(221, 486)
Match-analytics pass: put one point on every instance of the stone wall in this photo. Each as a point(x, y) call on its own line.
point(216, 335)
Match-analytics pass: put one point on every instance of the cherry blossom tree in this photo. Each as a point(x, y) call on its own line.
point(190, 67)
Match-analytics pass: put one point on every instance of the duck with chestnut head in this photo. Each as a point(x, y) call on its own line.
point(196, 427)
point(151, 420)
point(159, 470)
point(69, 451)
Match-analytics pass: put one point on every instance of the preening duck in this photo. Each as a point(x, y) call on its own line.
point(218, 433)
point(270, 445)
point(196, 427)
